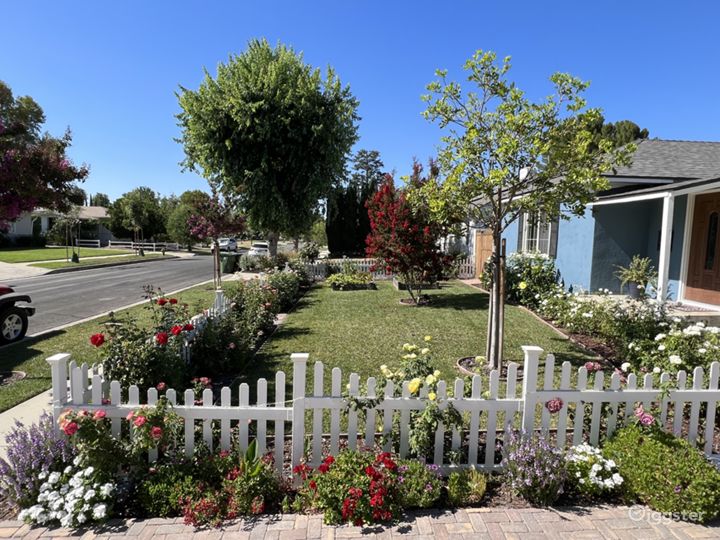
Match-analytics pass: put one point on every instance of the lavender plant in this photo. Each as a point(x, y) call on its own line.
point(535, 470)
point(30, 451)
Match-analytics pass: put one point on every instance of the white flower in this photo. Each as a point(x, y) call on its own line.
point(77, 461)
point(89, 471)
point(625, 366)
point(617, 479)
point(107, 489)
point(656, 369)
point(89, 494)
point(81, 518)
point(675, 359)
point(54, 477)
point(67, 470)
point(661, 347)
point(99, 511)
point(42, 475)
point(660, 337)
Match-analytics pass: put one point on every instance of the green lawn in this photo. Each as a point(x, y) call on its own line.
point(22, 255)
point(359, 331)
point(95, 262)
point(29, 355)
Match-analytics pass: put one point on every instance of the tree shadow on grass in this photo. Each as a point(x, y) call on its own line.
point(467, 301)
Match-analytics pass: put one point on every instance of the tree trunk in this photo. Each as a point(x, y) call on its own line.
point(217, 271)
point(272, 239)
point(495, 315)
point(296, 244)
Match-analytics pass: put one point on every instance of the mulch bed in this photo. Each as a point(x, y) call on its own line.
point(9, 377)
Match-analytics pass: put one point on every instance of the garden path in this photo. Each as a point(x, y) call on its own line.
point(617, 523)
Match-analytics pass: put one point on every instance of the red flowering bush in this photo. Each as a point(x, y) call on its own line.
point(155, 427)
point(89, 433)
point(403, 240)
point(356, 487)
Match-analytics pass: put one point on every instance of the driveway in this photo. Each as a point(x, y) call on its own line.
point(62, 299)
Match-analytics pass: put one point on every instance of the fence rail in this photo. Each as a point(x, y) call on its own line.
point(150, 246)
point(593, 406)
point(80, 242)
point(319, 269)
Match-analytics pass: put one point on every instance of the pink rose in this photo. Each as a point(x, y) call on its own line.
point(156, 432)
point(99, 414)
point(554, 405)
point(161, 387)
point(139, 421)
point(71, 429)
point(647, 419)
point(130, 415)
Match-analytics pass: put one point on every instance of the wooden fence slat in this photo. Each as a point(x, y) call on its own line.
point(244, 401)
point(698, 376)
point(664, 378)
point(189, 401)
point(370, 415)
point(152, 398)
point(388, 417)
point(336, 392)
point(97, 387)
point(547, 385)
point(115, 392)
point(352, 413)
point(630, 405)
point(712, 404)
point(473, 442)
point(261, 422)
point(490, 436)
point(279, 424)
point(579, 420)
point(405, 423)
point(648, 385)
point(612, 417)
point(440, 431)
point(318, 382)
point(596, 410)
point(679, 406)
point(458, 394)
point(225, 400)
point(565, 373)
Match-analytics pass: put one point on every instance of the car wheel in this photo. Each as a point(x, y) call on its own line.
point(13, 324)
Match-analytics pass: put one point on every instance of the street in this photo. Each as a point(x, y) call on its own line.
point(65, 298)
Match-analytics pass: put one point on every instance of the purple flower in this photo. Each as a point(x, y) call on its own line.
point(677, 489)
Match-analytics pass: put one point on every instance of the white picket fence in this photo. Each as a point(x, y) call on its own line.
point(149, 246)
point(488, 411)
point(218, 309)
point(318, 269)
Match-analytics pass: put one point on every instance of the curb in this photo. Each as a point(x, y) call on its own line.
point(96, 266)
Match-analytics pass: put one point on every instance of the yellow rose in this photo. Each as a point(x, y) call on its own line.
point(522, 285)
point(429, 379)
point(432, 396)
point(436, 373)
point(479, 359)
point(383, 367)
point(425, 351)
point(414, 386)
point(406, 347)
point(428, 339)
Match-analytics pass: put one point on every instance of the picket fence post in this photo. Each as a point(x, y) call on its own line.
point(530, 377)
point(299, 361)
point(58, 371)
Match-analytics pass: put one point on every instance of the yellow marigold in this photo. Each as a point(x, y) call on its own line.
point(414, 385)
point(432, 396)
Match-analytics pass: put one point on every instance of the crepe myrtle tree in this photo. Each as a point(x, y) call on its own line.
point(270, 133)
point(214, 219)
point(34, 168)
point(504, 155)
point(403, 240)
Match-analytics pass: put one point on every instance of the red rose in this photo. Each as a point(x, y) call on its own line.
point(156, 432)
point(329, 460)
point(161, 301)
point(188, 327)
point(161, 387)
point(313, 485)
point(71, 428)
point(323, 468)
point(161, 338)
point(173, 301)
point(176, 330)
point(97, 339)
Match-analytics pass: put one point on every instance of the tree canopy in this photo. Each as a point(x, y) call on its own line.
point(270, 134)
point(138, 213)
point(504, 154)
point(34, 168)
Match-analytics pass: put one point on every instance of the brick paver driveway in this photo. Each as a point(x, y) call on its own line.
point(474, 523)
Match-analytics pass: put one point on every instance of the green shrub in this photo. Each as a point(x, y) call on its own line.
point(348, 282)
point(590, 474)
point(466, 488)
point(287, 284)
point(224, 345)
point(309, 252)
point(420, 484)
point(248, 264)
point(161, 493)
point(665, 472)
point(298, 266)
point(528, 277)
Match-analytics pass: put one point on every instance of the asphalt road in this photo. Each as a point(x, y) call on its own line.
point(65, 298)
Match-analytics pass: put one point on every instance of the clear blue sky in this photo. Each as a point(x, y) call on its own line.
point(109, 70)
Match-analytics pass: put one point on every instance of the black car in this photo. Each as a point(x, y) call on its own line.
point(13, 317)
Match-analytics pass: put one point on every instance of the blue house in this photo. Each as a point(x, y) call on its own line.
point(665, 206)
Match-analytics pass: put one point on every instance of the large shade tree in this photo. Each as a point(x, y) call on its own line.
point(34, 168)
point(271, 134)
point(137, 212)
point(504, 154)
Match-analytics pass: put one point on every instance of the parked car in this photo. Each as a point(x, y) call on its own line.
point(13, 317)
point(227, 244)
point(259, 248)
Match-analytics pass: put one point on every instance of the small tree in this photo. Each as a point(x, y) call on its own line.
point(403, 240)
point(213, 220)
point(504, 155)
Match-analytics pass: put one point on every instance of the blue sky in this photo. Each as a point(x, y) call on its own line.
point(109, 70)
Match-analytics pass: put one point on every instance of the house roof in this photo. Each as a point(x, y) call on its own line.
point(84, 212)
point(630, 191)
point(676, 160)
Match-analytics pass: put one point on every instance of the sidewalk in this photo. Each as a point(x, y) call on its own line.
point(616, 523)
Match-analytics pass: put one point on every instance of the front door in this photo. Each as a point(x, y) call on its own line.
point(483, 250)
point(703, 279)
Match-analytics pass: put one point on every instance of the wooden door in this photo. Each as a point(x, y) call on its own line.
point(703, 277)
point(483, 250)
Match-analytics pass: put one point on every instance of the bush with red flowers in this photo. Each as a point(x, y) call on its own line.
point(356, 487)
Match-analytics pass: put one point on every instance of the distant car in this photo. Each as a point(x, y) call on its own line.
point(13, 318)
point(227, 244)
point(258, 248)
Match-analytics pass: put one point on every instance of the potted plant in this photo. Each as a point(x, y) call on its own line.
point(637, 275)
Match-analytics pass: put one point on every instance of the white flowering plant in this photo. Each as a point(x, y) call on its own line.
point(72, 497)
point(590, 475)
point(677, 347)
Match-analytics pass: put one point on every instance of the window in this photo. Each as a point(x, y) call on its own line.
point(537, 233)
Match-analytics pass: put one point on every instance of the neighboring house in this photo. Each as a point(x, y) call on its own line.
point(665, 206)
point(40, 221)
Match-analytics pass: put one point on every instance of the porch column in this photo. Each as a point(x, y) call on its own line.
point(665, 243)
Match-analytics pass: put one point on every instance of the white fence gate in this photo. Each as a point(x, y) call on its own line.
point(80, 242)
point(489, 409)
point(318, 269)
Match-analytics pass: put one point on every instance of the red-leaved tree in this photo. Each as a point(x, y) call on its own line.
point(213, 220)
point(403, 241)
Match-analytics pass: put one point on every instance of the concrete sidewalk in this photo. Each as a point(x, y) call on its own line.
point(602, 523)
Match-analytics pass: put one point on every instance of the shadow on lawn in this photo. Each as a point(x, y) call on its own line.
point(449, 300)
point(11, 356)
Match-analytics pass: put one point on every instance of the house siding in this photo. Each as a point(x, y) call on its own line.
point(575, 250)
